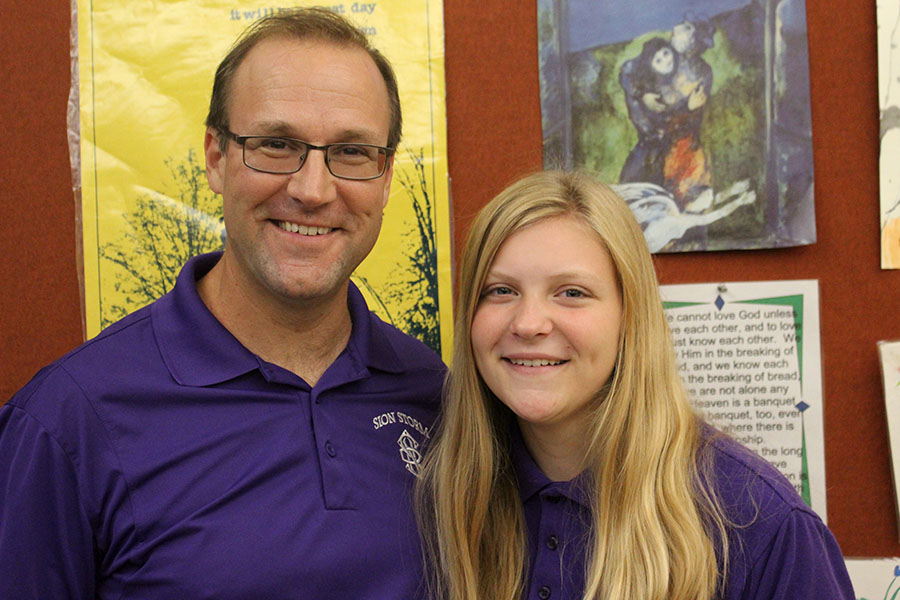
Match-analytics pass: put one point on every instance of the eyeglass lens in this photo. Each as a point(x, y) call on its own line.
point(286, 155)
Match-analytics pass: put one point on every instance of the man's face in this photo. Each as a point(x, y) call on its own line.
point(300, 236)
point(683, 37)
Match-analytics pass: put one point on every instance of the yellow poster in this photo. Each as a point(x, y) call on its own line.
point(146, 71)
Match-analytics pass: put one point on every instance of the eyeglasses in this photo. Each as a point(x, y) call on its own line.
point(283, 155)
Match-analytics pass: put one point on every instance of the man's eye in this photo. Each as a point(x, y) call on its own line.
point(281, 145)
point(353, 152)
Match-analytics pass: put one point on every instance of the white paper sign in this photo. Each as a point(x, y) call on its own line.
point(890, 369)
point(875, 579)
point(749, 355)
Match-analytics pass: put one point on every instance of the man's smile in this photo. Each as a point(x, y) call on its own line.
point(304, 229)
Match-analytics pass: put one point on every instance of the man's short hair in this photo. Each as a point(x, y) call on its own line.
point(316, 24)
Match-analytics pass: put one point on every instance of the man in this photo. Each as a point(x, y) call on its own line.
point(255, 432)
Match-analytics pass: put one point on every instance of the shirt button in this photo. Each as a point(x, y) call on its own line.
point(330, 450)
point(552, 542)
point(554, 499)
point(544, 592)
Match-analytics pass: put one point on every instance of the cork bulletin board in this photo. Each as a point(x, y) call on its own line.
point(494, 135)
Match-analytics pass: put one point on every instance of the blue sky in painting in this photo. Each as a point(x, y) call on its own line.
point(594, 23)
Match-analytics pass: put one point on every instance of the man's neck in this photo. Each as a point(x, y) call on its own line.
point(302, 336)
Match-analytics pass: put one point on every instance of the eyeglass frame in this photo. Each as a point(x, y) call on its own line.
point(241, 140)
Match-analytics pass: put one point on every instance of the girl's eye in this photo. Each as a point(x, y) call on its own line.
point(499, 290)
point(573, 293)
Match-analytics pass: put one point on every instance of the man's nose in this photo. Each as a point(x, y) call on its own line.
point(313, 185)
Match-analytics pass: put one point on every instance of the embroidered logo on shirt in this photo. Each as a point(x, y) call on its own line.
point(409, 452)
point(392, 417)
point(413, 434)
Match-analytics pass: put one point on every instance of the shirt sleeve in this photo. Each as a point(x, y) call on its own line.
point(803, 562)
point(46, 540)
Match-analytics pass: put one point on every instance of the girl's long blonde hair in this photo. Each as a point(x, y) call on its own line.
point(654, 515)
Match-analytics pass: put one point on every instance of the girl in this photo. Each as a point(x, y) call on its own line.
point(568, 462)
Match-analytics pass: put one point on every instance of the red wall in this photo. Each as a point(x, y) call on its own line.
point(493, 101)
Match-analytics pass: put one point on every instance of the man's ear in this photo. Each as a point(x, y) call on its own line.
point(215, 160)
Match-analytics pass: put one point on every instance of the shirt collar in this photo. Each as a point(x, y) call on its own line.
point(533, 482)
point(367, 338)
point(199, 351)
point(368, 347)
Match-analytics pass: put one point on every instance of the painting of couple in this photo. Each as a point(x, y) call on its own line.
point(666, 89)
point(702, 122)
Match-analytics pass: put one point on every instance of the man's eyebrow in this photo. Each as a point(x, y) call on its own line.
point(283, 129)
point(358, 135)
point(279, 128)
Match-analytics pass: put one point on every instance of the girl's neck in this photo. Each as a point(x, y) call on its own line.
point(558, 450)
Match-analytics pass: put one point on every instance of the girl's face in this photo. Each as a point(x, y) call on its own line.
point(663, 61)
point(546, 330)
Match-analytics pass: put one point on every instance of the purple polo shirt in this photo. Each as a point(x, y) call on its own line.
point(780, 550)
point(162, 459)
